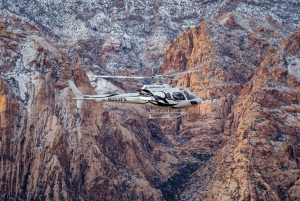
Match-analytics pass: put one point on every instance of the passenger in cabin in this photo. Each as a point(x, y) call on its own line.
point(178, 96)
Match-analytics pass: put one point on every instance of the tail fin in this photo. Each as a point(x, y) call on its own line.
point(77, 93)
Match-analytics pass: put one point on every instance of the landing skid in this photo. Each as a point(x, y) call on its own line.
point(165, 115)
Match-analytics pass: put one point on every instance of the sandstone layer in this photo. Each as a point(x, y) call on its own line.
point(52, 151)
point(241, 143)
point(247, 72)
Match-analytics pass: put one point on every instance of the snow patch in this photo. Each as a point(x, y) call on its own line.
point(46, 45)
point(256, 11)
point(23, 80)
point(294, 68)
point(102, 86)
point(29, 53)
point(99, 20)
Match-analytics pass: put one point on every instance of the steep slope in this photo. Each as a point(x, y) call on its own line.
point(51, 151)
point(242, 144)
point(246, 71)
point(120, 35)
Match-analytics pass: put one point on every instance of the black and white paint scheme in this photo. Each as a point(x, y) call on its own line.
point(158, 95)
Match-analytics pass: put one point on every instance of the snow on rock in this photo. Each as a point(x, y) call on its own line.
point(29, 53)
point(112, 42)
point(294, 68)
point(46, 45)
point(102, 86)
point(23, 80)
point(87, 25)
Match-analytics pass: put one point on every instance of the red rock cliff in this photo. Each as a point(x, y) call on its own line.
point(51, 151)
point(242, 143)
point(244, 71)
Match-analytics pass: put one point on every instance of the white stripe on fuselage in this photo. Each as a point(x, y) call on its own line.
point(123, 98)
point(136, 98)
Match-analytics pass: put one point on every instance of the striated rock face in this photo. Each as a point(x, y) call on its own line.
point(121, 34)
point(51, 151)
point(245, 72)
point(241, 143)
point(292, 43)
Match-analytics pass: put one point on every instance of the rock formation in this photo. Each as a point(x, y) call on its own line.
point(51, 151)
point(242, 143)
point(122, 34)
point(248, 76)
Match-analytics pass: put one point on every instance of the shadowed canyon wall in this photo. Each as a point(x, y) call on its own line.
point(247, 73)
point(241, 143)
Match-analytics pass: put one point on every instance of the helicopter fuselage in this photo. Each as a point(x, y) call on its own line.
point(162, 96)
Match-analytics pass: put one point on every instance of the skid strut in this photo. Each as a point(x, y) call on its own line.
point(166, 114)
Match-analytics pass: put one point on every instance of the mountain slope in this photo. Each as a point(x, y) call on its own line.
point(247, 72)
point(50, 150)
point(122, 34)
point(242, 143)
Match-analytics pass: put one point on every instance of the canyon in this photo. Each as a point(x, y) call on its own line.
point(240, 57)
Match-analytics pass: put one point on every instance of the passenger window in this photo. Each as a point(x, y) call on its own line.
point(178, 96)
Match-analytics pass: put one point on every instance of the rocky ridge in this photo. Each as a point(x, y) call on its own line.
point(243, 144)
point(115, 36)
point(247, 72)
point(51, 151)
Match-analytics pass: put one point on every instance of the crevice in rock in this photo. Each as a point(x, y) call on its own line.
point(175, 185)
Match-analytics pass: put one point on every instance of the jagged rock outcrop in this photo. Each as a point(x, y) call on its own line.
point(51, 151)
point(292, 44)
point(138, 31)
point(242, 143)
point(247, 80)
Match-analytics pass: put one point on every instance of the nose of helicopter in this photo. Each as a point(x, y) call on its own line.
point(196, 101)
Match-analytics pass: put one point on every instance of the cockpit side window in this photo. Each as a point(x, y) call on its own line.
point(178, 96)
point(189, 95)
point(169, 97)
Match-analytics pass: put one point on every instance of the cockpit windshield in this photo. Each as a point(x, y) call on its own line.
point(189, 95)
point(178, 96)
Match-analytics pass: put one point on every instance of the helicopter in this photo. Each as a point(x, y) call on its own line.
point(158, 95)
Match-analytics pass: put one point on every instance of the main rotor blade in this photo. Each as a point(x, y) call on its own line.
point(133, 77)
point(152, 77)
point(182, 73)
